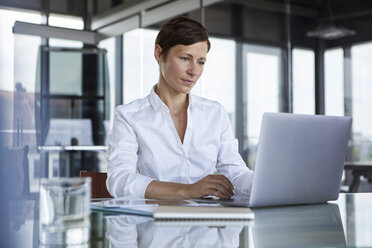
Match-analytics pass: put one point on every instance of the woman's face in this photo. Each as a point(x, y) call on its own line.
point(182, 66)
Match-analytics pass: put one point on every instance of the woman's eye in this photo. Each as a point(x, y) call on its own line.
point(184, 58)
point(201, 63)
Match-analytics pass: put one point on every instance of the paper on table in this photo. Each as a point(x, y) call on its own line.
point(129, 203)
point(138, 204)
point(118, 210)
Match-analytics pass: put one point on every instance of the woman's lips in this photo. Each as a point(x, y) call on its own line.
point(188, 82)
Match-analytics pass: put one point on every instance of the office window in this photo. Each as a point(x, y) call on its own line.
point(334, 82)
point(140, 67)
point(132, 88)
point(362, 101)
point(7, 19)
point(303, 81)
point(218, 79)
point(263, 80)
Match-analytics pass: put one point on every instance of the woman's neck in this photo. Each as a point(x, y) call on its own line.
point(176, 101)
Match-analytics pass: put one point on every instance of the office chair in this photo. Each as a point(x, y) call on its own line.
point(99, 189)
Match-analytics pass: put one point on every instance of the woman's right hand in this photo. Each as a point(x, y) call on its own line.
point(216, 185)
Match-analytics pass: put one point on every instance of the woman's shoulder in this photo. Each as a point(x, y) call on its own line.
point(134, 106)
point(202, 102)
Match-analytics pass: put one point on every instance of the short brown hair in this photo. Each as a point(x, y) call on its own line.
point(180, 31)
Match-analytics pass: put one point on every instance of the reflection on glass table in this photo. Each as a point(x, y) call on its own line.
point(317, 225)
point(346, 222)
point(130, 231)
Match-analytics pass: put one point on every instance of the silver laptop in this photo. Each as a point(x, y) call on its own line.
point(300, 160)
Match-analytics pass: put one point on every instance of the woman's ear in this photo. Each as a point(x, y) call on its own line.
point(157, 53)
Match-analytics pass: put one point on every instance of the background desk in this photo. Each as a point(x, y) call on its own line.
point(68, 167)
point(346, 222)
point(358, 169)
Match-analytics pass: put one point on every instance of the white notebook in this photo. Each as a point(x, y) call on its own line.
point(202, 213)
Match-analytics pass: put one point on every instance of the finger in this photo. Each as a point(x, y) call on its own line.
point(226, 180)
point(227, 187)
point(221, 181)
point(231, 186)
point(220, 188)
point(219, 194)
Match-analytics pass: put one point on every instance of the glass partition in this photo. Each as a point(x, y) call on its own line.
point(20, 160)
point(24, 118)
point(18, 62)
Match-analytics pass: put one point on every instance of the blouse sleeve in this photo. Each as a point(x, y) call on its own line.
point(122, 176)
point(229, 161)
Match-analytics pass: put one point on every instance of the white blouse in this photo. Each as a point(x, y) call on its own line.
point(144, 145)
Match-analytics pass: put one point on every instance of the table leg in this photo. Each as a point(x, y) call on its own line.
point(355, 183)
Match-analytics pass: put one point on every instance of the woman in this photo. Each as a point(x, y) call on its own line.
point(169, 144)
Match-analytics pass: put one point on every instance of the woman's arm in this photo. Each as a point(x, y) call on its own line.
point(122, 176)
point(229, 161)
point(216, 185)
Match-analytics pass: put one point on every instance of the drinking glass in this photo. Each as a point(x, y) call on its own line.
point(64, 211)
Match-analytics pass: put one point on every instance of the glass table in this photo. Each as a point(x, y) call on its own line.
point(346, 222)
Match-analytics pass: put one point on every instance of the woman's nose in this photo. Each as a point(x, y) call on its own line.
point(193, 69)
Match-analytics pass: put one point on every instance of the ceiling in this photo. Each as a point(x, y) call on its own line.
point(340, 9)
point(261, 21)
